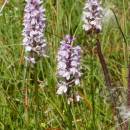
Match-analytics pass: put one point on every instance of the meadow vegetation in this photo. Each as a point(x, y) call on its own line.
point(94, 110)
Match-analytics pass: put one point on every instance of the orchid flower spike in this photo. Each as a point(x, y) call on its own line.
point(68, 68)
point(92, 16)
point(34, 26)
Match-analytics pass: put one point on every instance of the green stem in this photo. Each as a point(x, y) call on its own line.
point(26, 107)
point(93, 85)
point(70, 118)
point(36, 99)
point(93, 96)
point(68, 111)
point(25, 85)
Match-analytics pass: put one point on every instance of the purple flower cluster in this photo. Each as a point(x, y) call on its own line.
point(68, 68)
point(92, 16)
point(34, 26)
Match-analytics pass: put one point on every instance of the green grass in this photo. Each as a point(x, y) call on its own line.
point(63, 17)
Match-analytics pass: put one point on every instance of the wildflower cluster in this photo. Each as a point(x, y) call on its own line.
point(68, 68)
point(34, 26)
point(92, 16)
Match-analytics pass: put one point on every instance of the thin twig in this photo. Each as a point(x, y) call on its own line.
point(104, 66)
point(107, 79)
point(3, 6)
